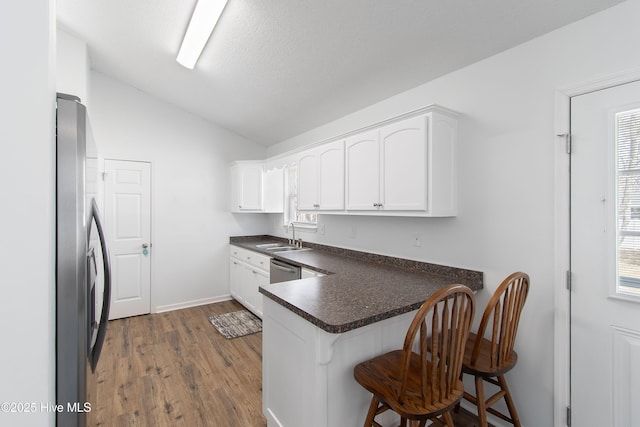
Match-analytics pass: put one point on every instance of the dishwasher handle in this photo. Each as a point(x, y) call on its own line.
point(283, 267)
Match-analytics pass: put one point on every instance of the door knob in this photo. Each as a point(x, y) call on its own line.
point(145, 245)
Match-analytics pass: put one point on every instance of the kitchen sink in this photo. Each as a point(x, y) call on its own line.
point(280, 247)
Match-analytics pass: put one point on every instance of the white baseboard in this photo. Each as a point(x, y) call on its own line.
point(272, 421)
point(188, 304)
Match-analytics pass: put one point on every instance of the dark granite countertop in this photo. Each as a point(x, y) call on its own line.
point(360, 288)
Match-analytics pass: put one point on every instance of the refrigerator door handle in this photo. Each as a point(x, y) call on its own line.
point(106, 300)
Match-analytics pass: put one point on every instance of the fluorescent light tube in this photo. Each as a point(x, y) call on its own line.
point(203, 21)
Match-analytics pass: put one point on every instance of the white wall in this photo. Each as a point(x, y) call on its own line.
point(27, 183)
point(72, 66)
point(191, 223)
point(506, 182)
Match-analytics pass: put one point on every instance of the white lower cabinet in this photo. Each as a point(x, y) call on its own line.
point(248, 271)
point(307, 373)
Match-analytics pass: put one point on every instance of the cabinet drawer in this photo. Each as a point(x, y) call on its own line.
point(238, 252)
point(258, 260)
point(252, 258)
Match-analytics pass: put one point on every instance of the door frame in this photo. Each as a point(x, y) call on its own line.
point(110, 156)
point(562, 243)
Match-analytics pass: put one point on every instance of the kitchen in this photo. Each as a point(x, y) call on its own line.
point(508, 158)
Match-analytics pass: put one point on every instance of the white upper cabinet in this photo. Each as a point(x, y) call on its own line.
point(386, 168)
point(331, 176)
point(403, 167)
point(246, 186)
point(403, 155)
point(362, 180)
point(273, 190)
point(321, 178)
point(308, 180)
point(255, 190)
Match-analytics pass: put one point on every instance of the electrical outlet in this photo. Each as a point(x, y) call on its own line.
point(353, 232)
point(321, 229)
point(417, 240)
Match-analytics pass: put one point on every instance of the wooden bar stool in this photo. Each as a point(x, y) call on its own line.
point(416, 383)
point(488, 359)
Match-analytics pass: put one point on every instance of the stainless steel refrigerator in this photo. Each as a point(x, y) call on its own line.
point(83, 279)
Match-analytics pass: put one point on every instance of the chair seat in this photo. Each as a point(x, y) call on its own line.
point(382, 377)
point(483, 366)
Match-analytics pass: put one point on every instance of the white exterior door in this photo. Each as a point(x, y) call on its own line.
point(128, 225)
point(605, 257)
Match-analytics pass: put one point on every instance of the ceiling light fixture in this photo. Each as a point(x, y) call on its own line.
point(203, 21)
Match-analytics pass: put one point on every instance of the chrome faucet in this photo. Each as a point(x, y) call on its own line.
point(292, 241)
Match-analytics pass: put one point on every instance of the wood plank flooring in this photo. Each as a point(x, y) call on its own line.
point(174, 369)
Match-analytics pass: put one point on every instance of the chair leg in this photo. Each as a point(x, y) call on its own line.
point(481, 402)
point(510, 405)
point(456, 409)
point(448, 419)
point(373, 408)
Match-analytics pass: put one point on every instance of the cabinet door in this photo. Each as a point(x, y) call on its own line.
point(253, 279)
point(246, 286)
point(246, 182)
point(362, 155)
point(331, 176)
point(234, 278)
point(403, 150)
point(273, 200)
point(260, 278)
point(308, 180)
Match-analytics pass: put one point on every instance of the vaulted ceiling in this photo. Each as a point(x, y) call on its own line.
point(275, 68)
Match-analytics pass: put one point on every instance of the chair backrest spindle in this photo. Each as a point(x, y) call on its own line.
point(441, 326)
point(503, 311)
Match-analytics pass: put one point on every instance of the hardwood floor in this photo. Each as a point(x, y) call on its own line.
point(175, 369)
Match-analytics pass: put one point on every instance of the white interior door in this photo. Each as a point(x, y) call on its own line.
point(128, 224)
point(605, 257)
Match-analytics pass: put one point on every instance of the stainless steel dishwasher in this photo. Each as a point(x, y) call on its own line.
point(281, 271)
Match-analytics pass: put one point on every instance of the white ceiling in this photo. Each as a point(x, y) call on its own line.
point(276, 68)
